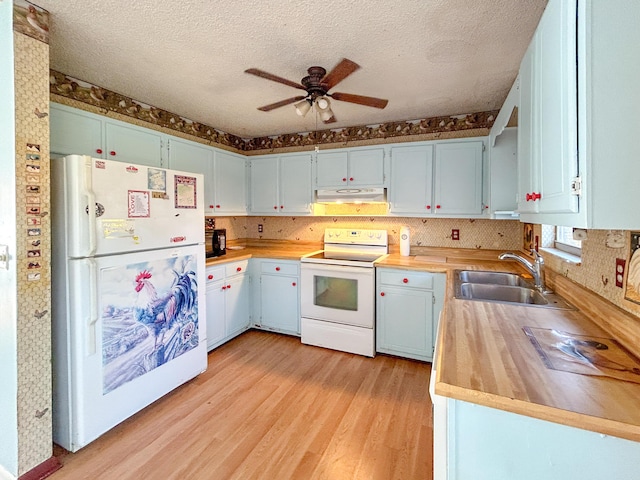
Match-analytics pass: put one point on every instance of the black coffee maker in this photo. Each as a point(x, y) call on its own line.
point(219, 242)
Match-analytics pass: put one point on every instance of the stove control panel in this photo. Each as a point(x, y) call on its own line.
point(355, 236)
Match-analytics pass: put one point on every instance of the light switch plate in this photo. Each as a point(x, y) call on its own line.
point(4, 257)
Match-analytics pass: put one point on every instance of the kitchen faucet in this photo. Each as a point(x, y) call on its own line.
point(536, 268)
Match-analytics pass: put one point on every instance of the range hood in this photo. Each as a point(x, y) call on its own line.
point(351, 195)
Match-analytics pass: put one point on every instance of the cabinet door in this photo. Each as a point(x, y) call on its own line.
point(555, 96)
point(230, 180)
point(264, 185)
point(296, 190)
point(133, 145)
point(237, 304)
point(526, 141)
point(405, 322)
point(279, 297)
point(366, 167)
point(410, 188)
point(331, 169)
point(191, 157)
point(216, 328)
point(458, 178)
point(75, 132)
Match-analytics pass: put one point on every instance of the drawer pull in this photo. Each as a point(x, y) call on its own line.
point(210, 277)
point(293, 284)
point(405, 280)
point(239, 269)
point(382, 294)
point(277, 269)
point(99, 150)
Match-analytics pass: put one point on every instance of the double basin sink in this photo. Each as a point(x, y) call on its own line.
point(503, 287)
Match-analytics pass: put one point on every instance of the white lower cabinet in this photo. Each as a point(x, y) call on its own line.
point(407, 304)
point(228, 302)
point(474, 442)
point(277, 300)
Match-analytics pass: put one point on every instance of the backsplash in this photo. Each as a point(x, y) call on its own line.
point(425, 232)
point(596, 270)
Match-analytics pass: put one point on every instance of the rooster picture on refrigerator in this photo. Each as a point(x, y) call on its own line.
point(127, 291)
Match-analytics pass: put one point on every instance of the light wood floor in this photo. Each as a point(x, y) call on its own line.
point(269, 407)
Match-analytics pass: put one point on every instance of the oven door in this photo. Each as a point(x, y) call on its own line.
point(338, 294)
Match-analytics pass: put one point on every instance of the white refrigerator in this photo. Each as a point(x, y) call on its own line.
point(128, 307)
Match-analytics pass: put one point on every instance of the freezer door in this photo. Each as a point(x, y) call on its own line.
point(133, 328)
point(133, 207)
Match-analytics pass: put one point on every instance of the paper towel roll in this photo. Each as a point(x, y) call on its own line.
point(405, 241)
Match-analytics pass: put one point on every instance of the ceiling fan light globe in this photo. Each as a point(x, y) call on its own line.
point(326, 114)
point(302, 108)
point(322, 103)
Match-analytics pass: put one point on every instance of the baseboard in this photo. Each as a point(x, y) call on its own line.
point(43, 470)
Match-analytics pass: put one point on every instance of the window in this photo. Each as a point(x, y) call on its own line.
point(564, 241)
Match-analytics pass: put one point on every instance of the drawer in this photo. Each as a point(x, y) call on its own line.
point(407, 279)
point(213, 274)
point(280, 268)
point(236, 268)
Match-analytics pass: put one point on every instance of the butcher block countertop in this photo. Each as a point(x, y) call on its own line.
point(483, 355)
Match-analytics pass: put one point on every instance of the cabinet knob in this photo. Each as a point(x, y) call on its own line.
point(293, 284)
point(527, 197)
point(536, 196)
point(428, 207)
point(239, 269)
point(275, 207)
point(344, 179)
point(277, 269)
point(112, 153)
point(228, 287)
point(211, 206)
point(382, 294)
point(437, 206)
point(224, 287)
point(210, 277)
point(217, 206)
point(281, 206)
point(99, 150)
point(351, 179)
point(405, 280)
point(486, 206)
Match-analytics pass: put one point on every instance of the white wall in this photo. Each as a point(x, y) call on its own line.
point(8, 285)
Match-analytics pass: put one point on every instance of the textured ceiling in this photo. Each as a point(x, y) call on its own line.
point(427, 57)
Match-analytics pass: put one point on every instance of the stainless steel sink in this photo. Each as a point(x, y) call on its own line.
point(501, 293)
point(503, 287)
point(493, 278)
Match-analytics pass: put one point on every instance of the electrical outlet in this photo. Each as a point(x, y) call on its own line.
point(620, 264)
point(455, 234)
point(259, 228)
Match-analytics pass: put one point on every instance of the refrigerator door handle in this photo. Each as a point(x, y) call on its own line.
point(91, 200)
point(93, 306)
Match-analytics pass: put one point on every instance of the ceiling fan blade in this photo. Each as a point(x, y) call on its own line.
point(360, 99)
point(273, 78)
point(281, 103)
point(341, 71)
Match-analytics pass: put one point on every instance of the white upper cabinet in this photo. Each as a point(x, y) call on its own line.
point(75, 132)
point(362, 167)
point(458, 179)
point(230, 183)
point(193, 157)
point(411, 183)
point(548, 147)
point(579, 93)
point(281, 185)
point(127, 143)
point(442, 179)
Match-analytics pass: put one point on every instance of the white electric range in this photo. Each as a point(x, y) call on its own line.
point(338, 290)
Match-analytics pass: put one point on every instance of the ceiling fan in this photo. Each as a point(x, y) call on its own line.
point(317, 85)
